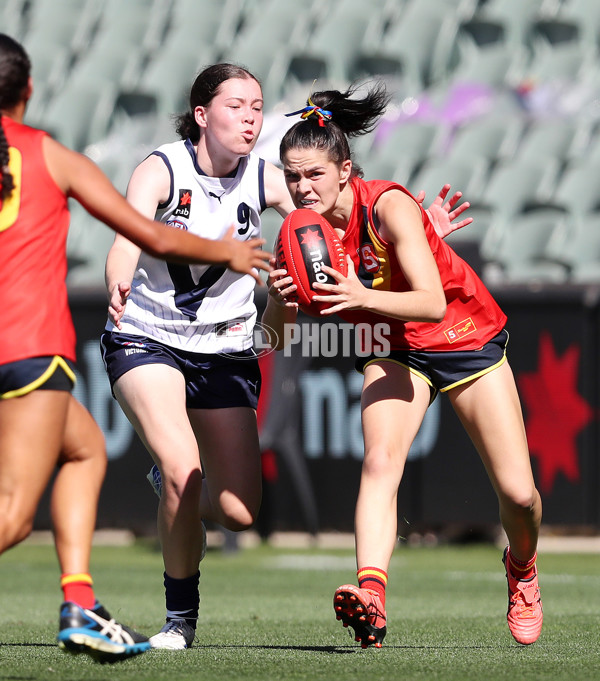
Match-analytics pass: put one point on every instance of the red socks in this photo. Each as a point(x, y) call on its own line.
point(522, 570)
point(77, 588)
point(373, 579)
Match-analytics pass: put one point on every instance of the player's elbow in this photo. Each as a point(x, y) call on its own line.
point(277, 341)
point(439, 311)
point(435, 311)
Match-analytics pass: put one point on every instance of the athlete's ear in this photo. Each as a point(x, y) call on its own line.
point(200, 116)
point(345, 170)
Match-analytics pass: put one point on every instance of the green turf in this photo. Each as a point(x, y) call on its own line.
point(266, 615)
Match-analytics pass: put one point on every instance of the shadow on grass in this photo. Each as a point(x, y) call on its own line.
point(337, 649)
point(340, 650)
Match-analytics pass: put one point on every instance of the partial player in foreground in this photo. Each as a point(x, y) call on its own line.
point(42, 426)
point(446, 335)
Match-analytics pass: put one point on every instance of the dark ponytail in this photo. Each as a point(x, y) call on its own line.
point(15, 69)
point(204, 88)
point(337, 117)
point(6, 179)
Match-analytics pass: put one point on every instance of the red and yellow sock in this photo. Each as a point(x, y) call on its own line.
point(77, 588)
point(522, 570)
point(373, 579)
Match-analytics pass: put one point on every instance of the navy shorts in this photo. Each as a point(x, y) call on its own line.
point(36, 373)
point(212, 381)
point(446, 370)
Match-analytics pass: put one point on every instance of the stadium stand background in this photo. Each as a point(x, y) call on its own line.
point(498, 97)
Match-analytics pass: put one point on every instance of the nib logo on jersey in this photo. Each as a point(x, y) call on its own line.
point(314, 254)
point(184, 205)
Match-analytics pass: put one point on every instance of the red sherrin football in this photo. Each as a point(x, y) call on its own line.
point(306, 241)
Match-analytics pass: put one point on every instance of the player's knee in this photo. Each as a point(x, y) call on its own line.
point(237, 516)
point(382, 462)
point(183, 485)
point(236, 524)
point(522, 501)
point(13, 532)
point(92, 451)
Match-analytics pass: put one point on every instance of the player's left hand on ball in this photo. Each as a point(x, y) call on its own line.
point(281, 286)
point(346, 294)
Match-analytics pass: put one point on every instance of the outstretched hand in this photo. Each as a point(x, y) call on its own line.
point(443, 214)
point(247, 257)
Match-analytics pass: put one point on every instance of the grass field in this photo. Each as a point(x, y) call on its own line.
point(266, 615)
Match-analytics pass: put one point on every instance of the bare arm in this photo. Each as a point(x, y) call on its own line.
point(401, 225)
point(80, 178)
point(149, 185)
point(276, 191)
point(120, 267)
point(278, 311)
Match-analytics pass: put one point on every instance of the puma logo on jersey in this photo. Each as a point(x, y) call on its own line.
point(232, 327)
point(217, 196)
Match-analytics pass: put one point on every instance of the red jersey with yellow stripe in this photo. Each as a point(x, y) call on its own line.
point(472, 317)
point(34, 222)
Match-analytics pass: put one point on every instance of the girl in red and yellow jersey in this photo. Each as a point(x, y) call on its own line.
point(446, 333)
point(472, 315)
point(33, 231)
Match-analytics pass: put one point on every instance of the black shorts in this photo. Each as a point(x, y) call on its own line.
point(212, 381)
point(36, 373)
point(443, 371)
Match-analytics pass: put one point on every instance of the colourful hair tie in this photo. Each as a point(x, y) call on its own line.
point(313, 110)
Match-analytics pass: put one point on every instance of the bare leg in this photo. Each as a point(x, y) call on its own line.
point(28, 456)
point(153, 398)
point(394, 402)
point(77, 488)
point(490, 411)
point(231, 455)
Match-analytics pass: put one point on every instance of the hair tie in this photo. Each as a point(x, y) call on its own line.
point(312, 109)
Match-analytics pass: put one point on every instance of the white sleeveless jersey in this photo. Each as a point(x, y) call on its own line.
point(199, 308)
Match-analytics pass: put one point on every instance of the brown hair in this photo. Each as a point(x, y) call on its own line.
point(205, 87)
point(349, 118)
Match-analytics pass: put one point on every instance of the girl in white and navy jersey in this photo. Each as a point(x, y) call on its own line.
point(178, 346)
